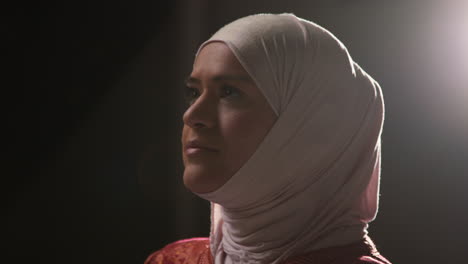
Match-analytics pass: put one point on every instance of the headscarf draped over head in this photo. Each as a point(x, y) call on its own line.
point(313, 182)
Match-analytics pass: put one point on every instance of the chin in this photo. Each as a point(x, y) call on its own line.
point(198, 181)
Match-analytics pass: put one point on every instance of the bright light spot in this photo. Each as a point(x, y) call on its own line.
point(446, 47)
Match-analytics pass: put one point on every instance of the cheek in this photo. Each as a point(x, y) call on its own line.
point(243, 133)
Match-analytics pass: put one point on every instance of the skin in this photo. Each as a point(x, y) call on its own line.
point(227, 113)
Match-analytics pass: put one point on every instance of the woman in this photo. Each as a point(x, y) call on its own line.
point(282, 136)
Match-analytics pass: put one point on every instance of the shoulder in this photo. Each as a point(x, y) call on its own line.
point(361, 252)
point(370, 254)
point(187, 251)
point(372, 259)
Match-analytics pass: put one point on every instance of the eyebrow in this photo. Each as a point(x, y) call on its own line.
point(219, 78)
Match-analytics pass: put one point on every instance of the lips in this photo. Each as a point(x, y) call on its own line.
point(194, 145)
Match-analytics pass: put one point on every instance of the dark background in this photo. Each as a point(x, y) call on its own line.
point(92, 102)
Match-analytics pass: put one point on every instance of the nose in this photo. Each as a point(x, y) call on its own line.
point(201, 114)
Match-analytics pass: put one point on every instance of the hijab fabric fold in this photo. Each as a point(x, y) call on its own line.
point(313, 182)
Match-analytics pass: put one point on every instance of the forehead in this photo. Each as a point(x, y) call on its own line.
point(215, 59)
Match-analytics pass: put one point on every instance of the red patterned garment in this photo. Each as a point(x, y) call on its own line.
point(197, 251)
point(188, 251)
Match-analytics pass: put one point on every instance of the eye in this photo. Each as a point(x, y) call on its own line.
point(190, 94)
point(229, 91)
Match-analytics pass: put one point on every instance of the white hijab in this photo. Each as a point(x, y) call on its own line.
point(314, 180)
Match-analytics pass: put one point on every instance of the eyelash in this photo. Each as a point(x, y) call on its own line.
point(192, 93)
point(189, 94)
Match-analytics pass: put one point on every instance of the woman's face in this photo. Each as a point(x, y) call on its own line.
point(226, 120)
